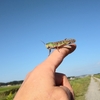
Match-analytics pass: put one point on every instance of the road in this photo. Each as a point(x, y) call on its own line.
point(93, 92)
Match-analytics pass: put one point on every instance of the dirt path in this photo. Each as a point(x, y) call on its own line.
point(93, 92)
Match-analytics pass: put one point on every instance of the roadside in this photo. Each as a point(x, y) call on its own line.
point(97, 79)
point(93, 92)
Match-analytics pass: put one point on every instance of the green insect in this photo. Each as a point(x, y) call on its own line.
point(59, 44)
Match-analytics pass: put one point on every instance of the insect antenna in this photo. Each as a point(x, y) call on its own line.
point(43, 42)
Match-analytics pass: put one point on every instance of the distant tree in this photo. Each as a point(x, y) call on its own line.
point(11, 83)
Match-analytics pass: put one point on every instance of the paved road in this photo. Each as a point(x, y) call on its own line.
point(93, 92)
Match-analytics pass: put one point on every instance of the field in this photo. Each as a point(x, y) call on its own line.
point(79, 86)
point(8, 92)
point(97, 75)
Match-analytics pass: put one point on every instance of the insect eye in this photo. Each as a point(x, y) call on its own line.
point(48, 47)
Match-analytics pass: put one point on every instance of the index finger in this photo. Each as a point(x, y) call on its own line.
point(56, 57)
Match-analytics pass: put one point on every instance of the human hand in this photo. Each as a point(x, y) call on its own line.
point(43, 83)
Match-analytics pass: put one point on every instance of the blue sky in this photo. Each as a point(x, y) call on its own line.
point(23, 23)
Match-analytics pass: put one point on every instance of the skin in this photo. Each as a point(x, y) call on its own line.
point(43, 83)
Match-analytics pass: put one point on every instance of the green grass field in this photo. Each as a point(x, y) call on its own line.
point(8, 92)
point(79, 86)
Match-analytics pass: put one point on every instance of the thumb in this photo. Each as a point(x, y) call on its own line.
point(56, 57)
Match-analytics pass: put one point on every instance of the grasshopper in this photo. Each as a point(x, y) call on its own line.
point(59, 44)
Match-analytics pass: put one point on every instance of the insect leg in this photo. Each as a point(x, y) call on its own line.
point(67, 46)
point(58, 49)
point(49, 51)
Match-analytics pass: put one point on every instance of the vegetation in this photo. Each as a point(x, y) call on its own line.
point(80, 86)
point(10, 96)
point(8, 92)
point(97, 75)
point(11, 83)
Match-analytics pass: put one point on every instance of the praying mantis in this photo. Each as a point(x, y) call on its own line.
point(59, 44)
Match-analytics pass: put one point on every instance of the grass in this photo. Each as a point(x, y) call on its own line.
point(97, 81)
point(7, 92)
point(97, 75)
point(7, 88)
point(80, 86)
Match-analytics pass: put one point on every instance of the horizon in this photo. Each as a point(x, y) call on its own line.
point(67, 77)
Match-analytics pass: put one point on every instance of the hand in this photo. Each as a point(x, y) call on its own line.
point(43, 83)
